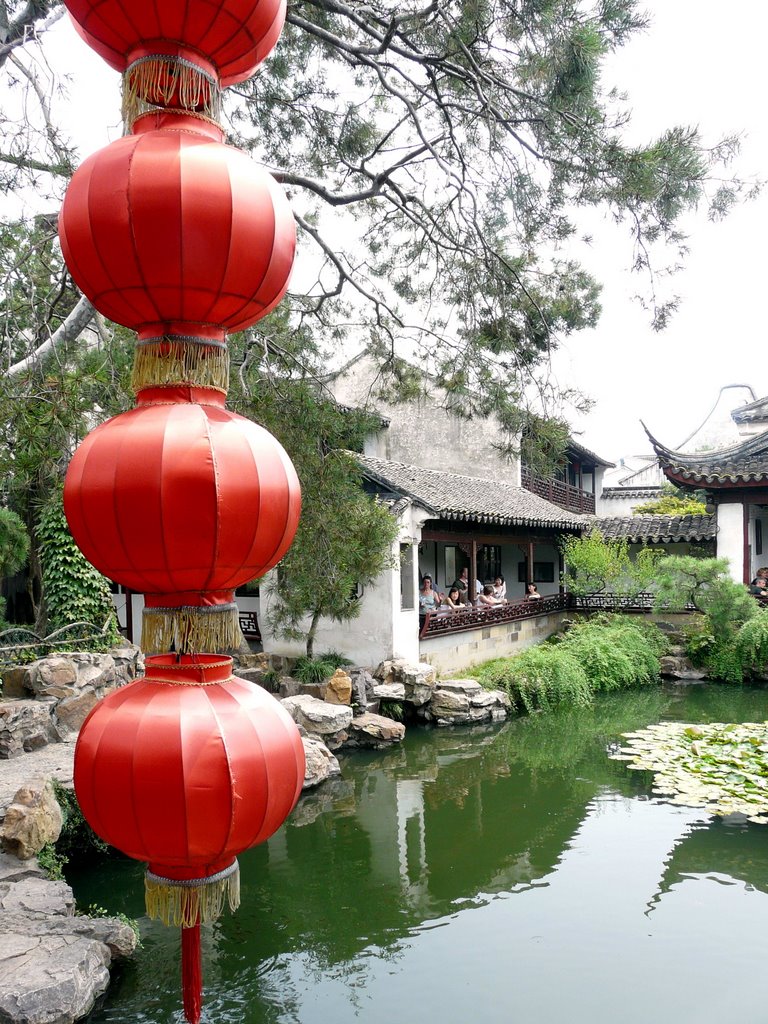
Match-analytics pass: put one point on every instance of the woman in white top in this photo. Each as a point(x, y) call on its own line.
point(500, 588)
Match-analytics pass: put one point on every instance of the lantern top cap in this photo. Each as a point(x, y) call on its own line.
point(188, 669)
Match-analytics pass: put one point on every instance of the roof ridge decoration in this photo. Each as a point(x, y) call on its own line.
point(746, 462)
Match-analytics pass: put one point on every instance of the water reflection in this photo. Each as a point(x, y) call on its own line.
point(519, 853)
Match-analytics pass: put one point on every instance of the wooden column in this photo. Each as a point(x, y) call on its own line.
point(473, 572)
point(747, 566)
point(529, 568)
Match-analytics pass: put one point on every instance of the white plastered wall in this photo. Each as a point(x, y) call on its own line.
point(730, 537)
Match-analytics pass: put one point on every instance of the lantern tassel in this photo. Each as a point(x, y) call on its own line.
point(171, 83)
point(187, 902)
point(172, 361)
point(214, 628)
point(191, 973)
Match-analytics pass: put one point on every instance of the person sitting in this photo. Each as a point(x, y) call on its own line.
point(500, 588)
point(532, 593)
point(486, 598)
point(453, 602)
point(759, 586)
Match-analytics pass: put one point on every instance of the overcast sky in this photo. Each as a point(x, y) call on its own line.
point(700, 63)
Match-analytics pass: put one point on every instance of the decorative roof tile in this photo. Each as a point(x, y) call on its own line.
point(754, 411)
point(658, 529)
point(746, 463)
point(469, 498)
point(632, 492)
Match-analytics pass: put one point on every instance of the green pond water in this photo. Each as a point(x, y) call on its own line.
point(504, 875)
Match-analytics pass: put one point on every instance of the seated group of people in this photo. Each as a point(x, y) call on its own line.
point(759, 585)
point(488, 595)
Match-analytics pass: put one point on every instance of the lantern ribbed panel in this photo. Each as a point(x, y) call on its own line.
point(178, 498)
point(235, 36)
point(171, 232)
point(187, 776)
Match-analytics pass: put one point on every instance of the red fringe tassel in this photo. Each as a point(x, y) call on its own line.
point(191, 973)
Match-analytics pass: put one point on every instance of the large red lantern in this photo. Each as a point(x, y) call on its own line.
point(234, 36)
point(184, 770)
point(172, 233)
point(184, 501)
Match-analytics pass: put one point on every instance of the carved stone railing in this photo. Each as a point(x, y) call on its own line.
point(571, 498)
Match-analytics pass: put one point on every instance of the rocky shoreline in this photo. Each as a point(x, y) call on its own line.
point(54, 963)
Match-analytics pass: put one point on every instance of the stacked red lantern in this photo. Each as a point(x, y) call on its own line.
point(179, 237)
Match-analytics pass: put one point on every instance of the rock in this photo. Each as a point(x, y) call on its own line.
point(465, 686)
point(25, 725)
point(54, 676)
point(288, 687)
point(338, 689)
point(71, 712)
point(419, 681)
point(389, 691)
point(54, 761)
point(37, 897)
point(337, 795)
point(390, 671)
point(329, 721)
point(321, 764)
point(374, 731)
point(54, 979)
point(53, 964)
point(674, 667)
point(32, 820)
point(16, 682)
point(464, 701)
point(363, 685)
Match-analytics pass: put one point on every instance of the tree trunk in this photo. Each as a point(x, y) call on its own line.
point(311, 634)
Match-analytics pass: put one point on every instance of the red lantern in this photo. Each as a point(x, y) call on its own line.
point(184, 501)
point(170, 232)
point(185, 769)
point(234, 35)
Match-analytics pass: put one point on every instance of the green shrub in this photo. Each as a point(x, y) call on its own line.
point(752, 642)
point(542, 677)
point(616, 653)
point(77, 841)
point(316, 670)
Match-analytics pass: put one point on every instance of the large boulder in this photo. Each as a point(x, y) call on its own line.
point(338, 689)
point(363, 685)
point(678, 666)
point(389, 691)
point(33, 819)
point(53, 965)
point(320, 763)
point(328, 721)
point(419, 682)
point(374, 731)
point(464, 701)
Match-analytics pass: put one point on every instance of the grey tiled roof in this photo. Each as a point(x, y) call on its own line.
point(586, 455)
point(469, 498)
point(746, 462)
point(658, 529)
point(632, 492)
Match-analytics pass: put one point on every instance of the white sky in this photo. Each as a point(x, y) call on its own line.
point(699, 64)
point(696, 65)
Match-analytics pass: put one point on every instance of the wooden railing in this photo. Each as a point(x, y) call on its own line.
point(571, 498)
point(442, 623)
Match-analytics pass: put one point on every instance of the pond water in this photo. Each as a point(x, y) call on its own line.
point(506, 875)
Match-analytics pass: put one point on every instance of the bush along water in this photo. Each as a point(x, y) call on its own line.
point(601, 654)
